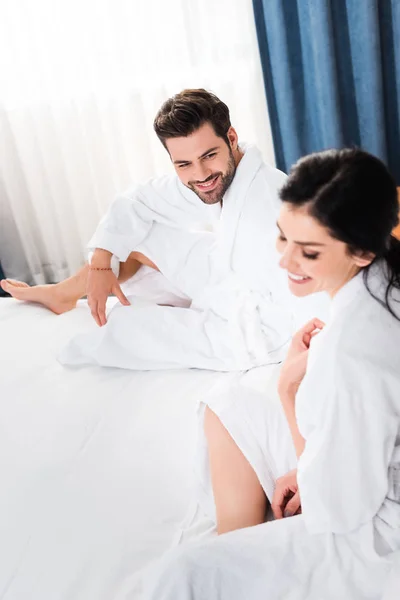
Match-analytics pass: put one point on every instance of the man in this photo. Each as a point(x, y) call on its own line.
point(63, 296)
point(217, 251)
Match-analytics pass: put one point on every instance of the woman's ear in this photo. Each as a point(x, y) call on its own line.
point(363, 258)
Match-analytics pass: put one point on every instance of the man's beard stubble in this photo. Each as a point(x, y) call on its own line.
point(225, 179)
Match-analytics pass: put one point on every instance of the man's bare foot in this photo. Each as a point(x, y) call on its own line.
point(53, 296)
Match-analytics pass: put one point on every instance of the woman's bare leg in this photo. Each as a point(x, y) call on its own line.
point(239, 498)
point(62, 297)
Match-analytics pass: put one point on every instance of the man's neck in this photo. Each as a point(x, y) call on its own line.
point(238, 155)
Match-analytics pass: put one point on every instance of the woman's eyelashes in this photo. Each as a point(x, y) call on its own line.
point(308, 255)
point(311, 255)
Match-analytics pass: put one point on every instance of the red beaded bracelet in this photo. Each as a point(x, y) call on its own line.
point(100, 268)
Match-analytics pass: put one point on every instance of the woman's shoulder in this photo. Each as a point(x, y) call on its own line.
point(368, 330)
point(361, 323)
point(358, 356)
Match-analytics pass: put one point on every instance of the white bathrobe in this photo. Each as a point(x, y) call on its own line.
point(224, 261)
point(347, 540)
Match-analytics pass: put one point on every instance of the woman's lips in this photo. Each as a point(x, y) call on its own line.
point(298, 278)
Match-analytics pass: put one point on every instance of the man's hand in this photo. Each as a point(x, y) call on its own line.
point(286, 500)
point(102, 283)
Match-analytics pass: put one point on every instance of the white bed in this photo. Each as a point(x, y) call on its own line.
point(95, 464)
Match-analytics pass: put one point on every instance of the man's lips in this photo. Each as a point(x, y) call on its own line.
point(209, 185)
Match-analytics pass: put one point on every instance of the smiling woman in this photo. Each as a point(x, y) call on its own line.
point(314, 260)
point(323, 195)
point(339, 411)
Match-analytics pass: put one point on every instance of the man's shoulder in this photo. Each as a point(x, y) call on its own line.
point(268, 183)
point(265, 174)
point(272, 174)
point(161, 185)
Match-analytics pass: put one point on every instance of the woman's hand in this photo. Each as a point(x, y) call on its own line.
point(286, 499)
point(294, 367)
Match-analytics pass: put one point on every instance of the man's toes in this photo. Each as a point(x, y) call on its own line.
point(15, 289)
point(15, 283)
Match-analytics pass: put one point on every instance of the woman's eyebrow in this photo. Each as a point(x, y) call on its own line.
point(309, 243)
point(301, 243)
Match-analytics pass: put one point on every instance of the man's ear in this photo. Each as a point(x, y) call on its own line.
point(363, 258)
point(233, 138)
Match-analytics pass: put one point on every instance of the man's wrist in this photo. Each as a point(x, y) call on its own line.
point(101, 259)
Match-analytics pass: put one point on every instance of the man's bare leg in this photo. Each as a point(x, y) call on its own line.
point(62, 297)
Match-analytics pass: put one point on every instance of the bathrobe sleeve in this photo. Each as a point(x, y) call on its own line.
point(123, 227)
point(132, 214)
point(343, 471)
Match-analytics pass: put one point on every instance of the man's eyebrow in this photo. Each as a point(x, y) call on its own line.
point(303, 243)
point(181, 162)
point(209, 151)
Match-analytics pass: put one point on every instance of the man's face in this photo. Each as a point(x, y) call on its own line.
point(204, 162)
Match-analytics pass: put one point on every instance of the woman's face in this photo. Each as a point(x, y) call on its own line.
point(313, 259)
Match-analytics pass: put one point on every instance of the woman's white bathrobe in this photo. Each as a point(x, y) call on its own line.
point(224, 261)
point(346, 541)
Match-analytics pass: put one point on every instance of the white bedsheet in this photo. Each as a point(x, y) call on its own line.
point(95, 464)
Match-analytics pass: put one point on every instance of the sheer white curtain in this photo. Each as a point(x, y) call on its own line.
point(80, 83)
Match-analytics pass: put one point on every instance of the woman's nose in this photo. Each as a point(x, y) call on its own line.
point(287, 260)
point(283, 261)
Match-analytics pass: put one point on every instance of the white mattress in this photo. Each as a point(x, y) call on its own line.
point(95, 464)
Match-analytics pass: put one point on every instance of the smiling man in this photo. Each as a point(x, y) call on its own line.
point(221, 160)
point(209, 230)
point(194, 127)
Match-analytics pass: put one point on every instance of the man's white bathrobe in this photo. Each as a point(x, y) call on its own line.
point(346, 541)
point(223, 260)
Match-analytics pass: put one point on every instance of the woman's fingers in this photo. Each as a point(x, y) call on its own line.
point(286, 489)
point(311, 325)
point(292, 506)
point(310, 329)
point(282, 493)
point(277, 506)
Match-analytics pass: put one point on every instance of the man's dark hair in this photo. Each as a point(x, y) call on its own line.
point(185, 112)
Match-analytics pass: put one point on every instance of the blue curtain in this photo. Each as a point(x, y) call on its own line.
point(332, 76)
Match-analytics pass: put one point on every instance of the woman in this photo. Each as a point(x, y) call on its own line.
point(340, 392)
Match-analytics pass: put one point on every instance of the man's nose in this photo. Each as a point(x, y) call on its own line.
point(201, 173)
